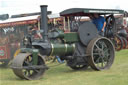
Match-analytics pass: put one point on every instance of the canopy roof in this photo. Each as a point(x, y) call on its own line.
point(19, 21)
point(87, 11)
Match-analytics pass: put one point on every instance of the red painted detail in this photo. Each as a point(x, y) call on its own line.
point(4, 52)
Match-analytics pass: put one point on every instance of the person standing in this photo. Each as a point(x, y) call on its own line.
point(100, 23)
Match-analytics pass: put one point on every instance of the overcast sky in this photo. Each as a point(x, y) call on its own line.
point(28, 6)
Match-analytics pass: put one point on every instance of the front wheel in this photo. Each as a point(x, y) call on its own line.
point(23, 66)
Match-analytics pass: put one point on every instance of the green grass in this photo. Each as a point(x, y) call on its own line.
point(63, 75)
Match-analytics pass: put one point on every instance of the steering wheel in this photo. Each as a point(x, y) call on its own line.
point(110, 26)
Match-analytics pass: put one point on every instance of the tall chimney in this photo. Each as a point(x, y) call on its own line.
point(44, 22)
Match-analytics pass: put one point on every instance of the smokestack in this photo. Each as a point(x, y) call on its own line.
point(44, 22)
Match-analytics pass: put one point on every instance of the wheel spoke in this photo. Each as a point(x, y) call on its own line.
point(102, 63)
point(106, 54)
point(29, 73)
point(106, 51)
point(26, 62)
point(97, 46)
point(97, 61)
point(102, 46)
point(95, 54)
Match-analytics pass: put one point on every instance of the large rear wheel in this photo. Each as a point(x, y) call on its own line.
point(101, 53)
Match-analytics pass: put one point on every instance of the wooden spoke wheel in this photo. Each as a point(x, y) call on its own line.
point(119, 43)
point(101, 53)
point(124, 42)
point(23, 67)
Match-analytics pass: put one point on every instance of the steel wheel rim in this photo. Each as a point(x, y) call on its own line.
point(102, 58)
point(29, 74)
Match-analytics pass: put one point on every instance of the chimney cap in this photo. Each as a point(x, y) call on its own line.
point(43, 5)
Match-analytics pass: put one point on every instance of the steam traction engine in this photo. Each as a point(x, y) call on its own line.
point(80, 48)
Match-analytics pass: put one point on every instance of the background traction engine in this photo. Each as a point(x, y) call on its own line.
point(79, 49)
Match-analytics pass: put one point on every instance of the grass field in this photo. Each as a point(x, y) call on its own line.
point(63, 75)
